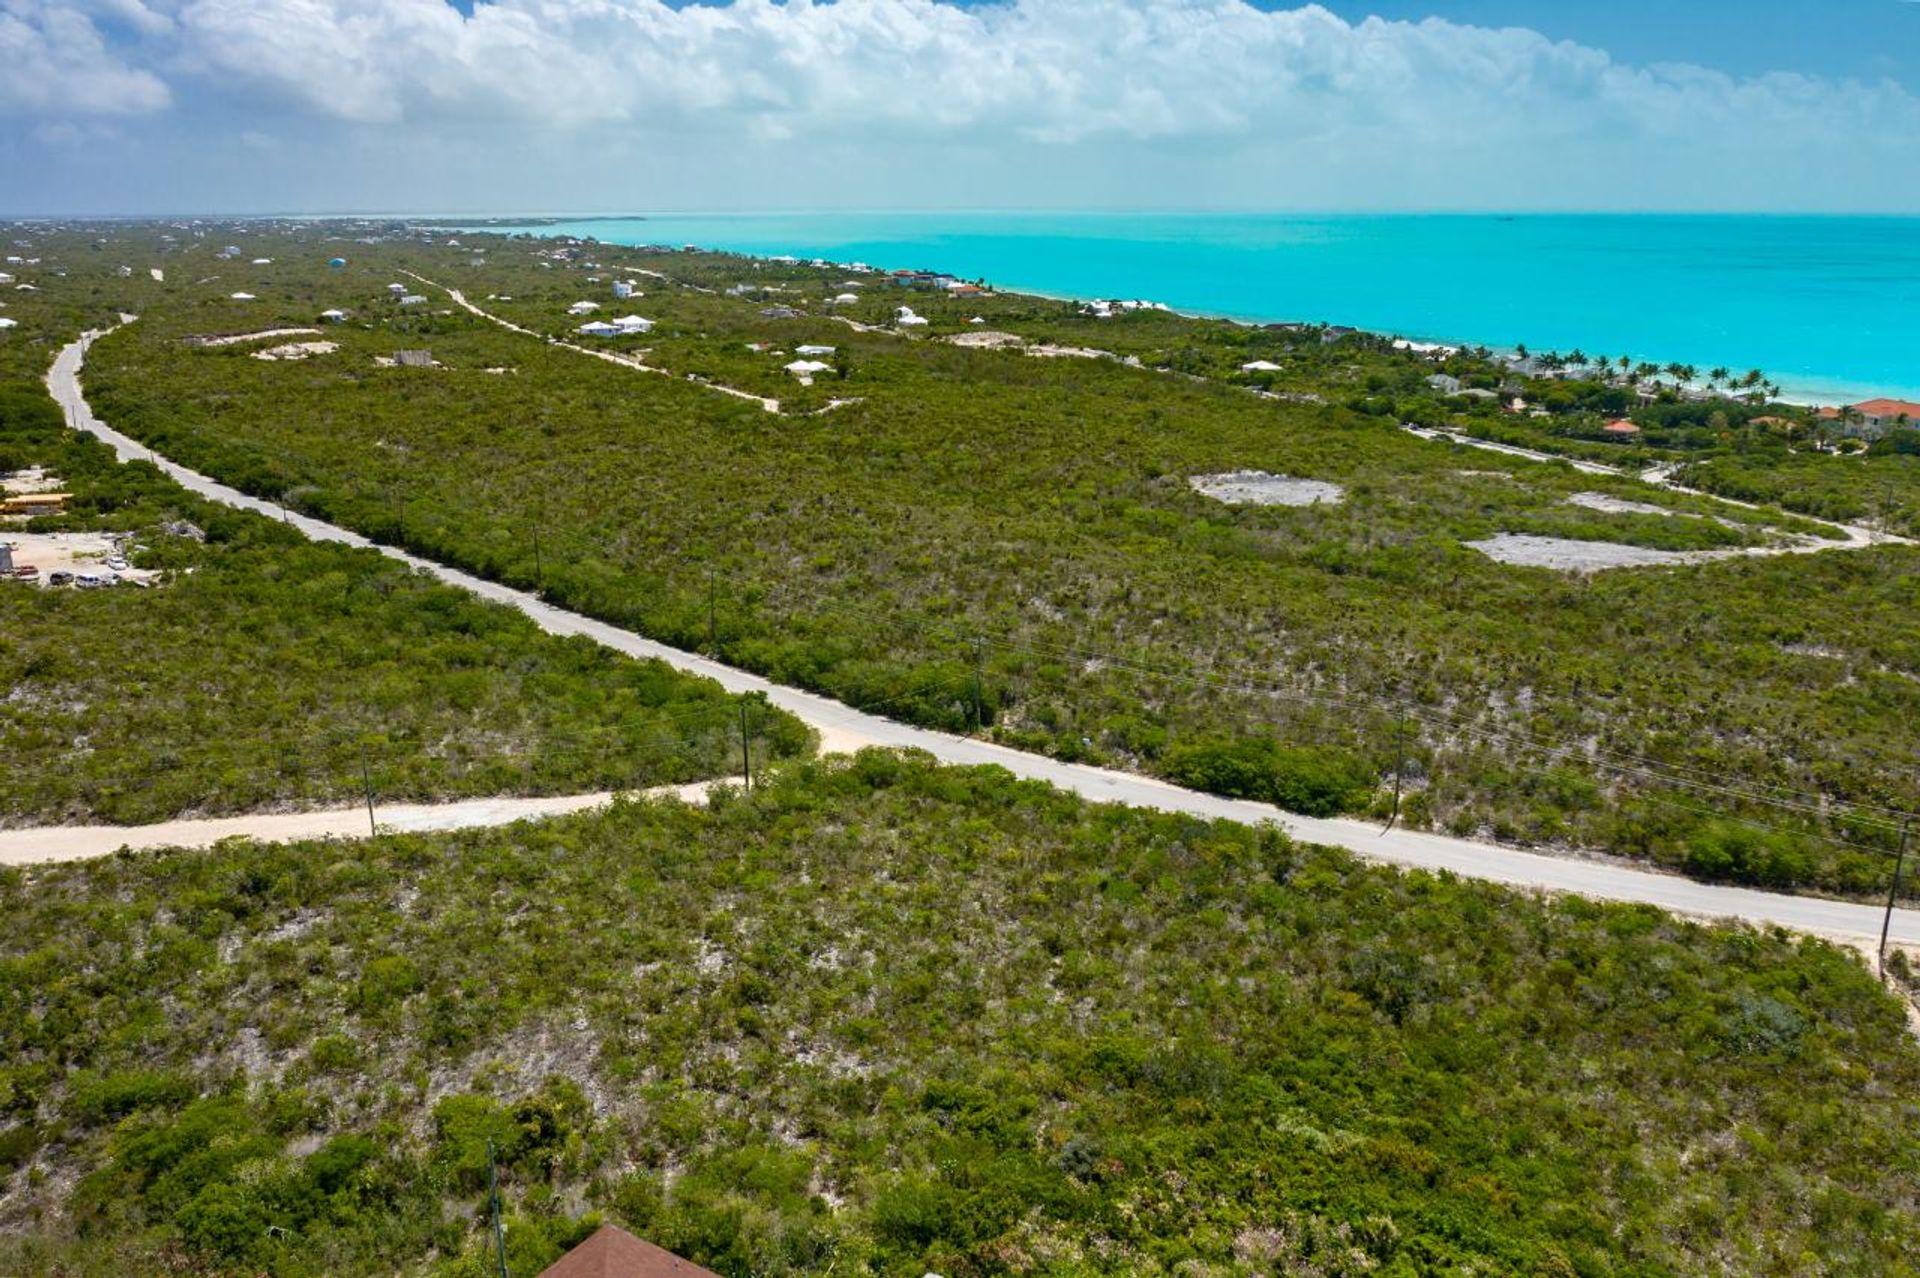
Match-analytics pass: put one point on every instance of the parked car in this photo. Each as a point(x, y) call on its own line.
point(89, 580)
point(25, 572)
point(61, 578)
point(116, 563)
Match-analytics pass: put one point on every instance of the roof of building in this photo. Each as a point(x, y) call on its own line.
point(1622, 428)
point(413, 359)
point(612, 1252)
point(1889, 408)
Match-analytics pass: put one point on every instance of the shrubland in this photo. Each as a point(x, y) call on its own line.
point(884, 1017)
point(980, 537)
point(267, 671)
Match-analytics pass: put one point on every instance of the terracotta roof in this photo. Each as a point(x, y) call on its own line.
point(612, 1252)
point(1889, 408)
point(1622, 428)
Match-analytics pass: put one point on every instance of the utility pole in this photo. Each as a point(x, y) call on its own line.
point(746, 753)
point(493, 1205)
point(713, 643)
point(1893, 890)
point(1399, 768)
point(366, 780)
point(979, 694)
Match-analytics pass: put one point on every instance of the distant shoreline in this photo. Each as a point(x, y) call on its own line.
point(1806, 390)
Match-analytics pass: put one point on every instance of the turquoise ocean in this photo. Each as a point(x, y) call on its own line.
point(1829, 307)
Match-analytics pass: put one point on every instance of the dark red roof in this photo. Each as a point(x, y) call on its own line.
point(612, 1252)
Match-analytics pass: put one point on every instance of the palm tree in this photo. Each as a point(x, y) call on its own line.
point(1717, 376)
point(1754, 377)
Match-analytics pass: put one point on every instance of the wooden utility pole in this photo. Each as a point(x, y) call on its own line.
point(746, 752)
point(493, 1205)
point(1893, 891)
point(366, 780)
point(1399, 768)
point(979, 693)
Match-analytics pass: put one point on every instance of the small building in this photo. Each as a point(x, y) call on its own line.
point(778, 312)
point(397, 290)
point(1877, 415)
point(633, 324)
point(336, 262)
point(334, 316)
point(583, 308)
point(846, 299)
point(412, 299)
point(612, 1252)
point(1445, 383)
point(1260, 366)
point(413, 359)
point(813, 350)
point(5, 278)
point(31, 504)
point(905, 318)
point(1620, 429)
point(8, 323)
point(622, 289)
point(598, 328)
point(241, 297)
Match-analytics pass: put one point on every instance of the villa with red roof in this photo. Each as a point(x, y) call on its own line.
point(1877, 415)
point(612, 1252)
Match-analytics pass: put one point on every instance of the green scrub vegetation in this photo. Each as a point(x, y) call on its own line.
point(265, 671)
point(987, 537)
point(885, 1017)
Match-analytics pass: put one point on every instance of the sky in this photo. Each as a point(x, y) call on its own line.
point(585, 106)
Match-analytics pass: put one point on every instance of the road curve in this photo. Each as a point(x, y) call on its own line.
point(841, 727)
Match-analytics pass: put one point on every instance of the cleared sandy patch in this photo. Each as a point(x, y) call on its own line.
point(34, 479)
point(1621, 506)
point(1258, 488)
point(1068, 352)
point(234, 339)
point(1569, 555)
point(297, 350)
point(988, 339)
point(66, 552)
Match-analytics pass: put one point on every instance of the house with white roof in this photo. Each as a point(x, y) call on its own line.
point(905, 318)
point(583, 308)
point(8, 323)
point(804, 370)
point(598, 328)
point(334, 316)
point(412, 299)
point(1260, 366)
point(813, 350)
point(633, 324)
point(241, 297)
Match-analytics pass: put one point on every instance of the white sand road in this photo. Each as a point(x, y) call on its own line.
point(842, 727)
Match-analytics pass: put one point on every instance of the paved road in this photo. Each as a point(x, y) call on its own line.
point(842, 727)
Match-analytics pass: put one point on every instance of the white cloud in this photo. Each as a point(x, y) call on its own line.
point(1299, 88)
point(56, 62)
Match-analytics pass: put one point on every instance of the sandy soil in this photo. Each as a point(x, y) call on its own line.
point(34, 479)
point(988, 339)
point(234, 339)
point(65, 552)
point(1258, 488)
point(1620, 506)
point(297, 350)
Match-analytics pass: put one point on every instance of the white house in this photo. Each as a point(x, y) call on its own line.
point(846, 299)
point(804, 369)
point(813, 350)
point(263, 261)
point(633, 324)
point(412, 299)
point(334, 316)
point(8, 323)
point(1260, 366)
point(5, 278)
point(241, 297)
point(905, 318)
point(583, 308)
point(396, 289)
point(622, 289)
point(598, 328)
